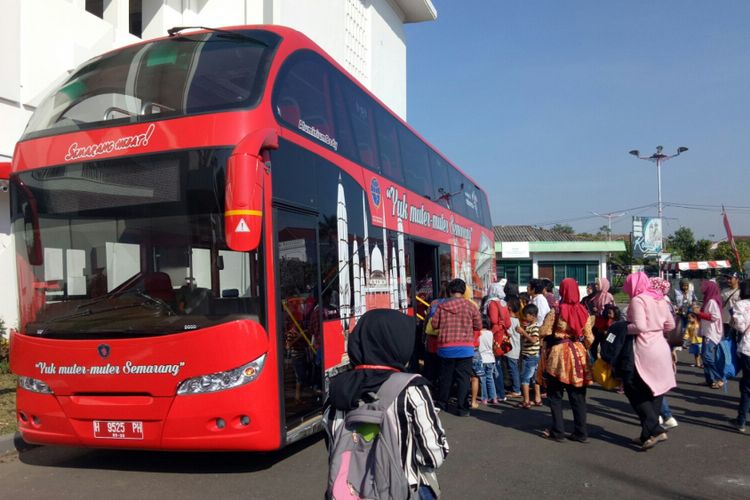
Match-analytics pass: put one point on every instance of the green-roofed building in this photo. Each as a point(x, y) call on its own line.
point(525, 252)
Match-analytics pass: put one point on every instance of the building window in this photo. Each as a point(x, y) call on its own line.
point(95, 7)
point(357, 39)
point(582, 271)
point(135, 21)
point(515, 271)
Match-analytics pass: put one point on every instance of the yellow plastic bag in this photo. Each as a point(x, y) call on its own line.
point(429, 330)
point(601, 372)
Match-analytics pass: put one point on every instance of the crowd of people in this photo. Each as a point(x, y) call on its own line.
point(524, 347)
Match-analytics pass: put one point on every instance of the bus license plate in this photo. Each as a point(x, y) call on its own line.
point(108, 429)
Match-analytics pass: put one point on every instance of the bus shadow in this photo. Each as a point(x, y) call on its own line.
point(162, 461)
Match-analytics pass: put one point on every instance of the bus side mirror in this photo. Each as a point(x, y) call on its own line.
point(31, 233)
point(243, 198)
point(28, 207)
point(243, 204)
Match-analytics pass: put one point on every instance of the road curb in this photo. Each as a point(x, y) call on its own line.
point(7, 443)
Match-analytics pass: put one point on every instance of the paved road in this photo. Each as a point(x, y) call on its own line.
point(495, 453)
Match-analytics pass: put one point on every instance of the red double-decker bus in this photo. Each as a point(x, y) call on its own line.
point(199, 221)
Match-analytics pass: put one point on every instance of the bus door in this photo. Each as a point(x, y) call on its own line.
point(426, 272)
point(299, 314)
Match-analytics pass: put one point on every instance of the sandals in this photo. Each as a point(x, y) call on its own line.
point(547, 434)
point(717, 385)
point(537, 403)
point(524, 405)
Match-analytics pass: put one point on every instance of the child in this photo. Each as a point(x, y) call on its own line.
point(512, 356)
point(488, 363)
point(692, 339)
point(530, 347)
point(602, 322)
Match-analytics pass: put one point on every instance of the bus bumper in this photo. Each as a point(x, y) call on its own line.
point(198, 422)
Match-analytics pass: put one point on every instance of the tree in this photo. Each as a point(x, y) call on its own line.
point(682, 242)
point(563, 228)
point(724, 252)
point(604, 232)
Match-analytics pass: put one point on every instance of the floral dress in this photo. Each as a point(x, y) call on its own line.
point(565, 356)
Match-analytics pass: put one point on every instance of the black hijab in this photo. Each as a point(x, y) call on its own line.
point(382, 337)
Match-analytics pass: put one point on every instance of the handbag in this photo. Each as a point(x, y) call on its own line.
point(602, 374)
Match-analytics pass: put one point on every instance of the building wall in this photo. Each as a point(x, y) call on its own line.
point(44, 40)
point(537, 257)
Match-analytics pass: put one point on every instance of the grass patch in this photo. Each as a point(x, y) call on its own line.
point(621, 297)
point(8, 403)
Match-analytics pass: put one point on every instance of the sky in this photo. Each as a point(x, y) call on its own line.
point(540, 101)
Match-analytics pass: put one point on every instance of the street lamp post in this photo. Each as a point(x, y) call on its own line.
point(658, 157)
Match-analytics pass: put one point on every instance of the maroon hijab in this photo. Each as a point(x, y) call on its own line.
point(710, 292)
point(571, 310)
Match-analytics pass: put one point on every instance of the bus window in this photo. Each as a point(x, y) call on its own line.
point(440, 182)
point(363, 125)
point(390, 156)
point(416, 163)
point(347, 144)
point(470, 200)
point(457, 186)
point(303, 99)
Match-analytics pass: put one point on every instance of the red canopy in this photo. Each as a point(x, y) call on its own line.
point(696, 265)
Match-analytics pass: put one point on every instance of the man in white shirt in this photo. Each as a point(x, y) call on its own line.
point(536, 292)
point(729, 297)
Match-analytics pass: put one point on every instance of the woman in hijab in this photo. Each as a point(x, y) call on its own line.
point(650, 318)
point(381, 343)
point(496, 310)
point(599, 301)
point(565, 367)
point(712, 331)
point(588, 299)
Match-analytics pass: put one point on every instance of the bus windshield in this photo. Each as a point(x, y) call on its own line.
point(181, 75)
point(131, 247)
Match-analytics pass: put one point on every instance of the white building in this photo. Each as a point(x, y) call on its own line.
point(44, 40)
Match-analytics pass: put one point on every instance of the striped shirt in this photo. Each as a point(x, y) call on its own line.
point(422, 438)
point(531, 348)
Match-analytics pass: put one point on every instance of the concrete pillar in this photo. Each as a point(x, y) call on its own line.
point(160, 15)
point(117, 13)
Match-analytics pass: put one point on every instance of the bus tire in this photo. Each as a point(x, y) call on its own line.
point(22, 445)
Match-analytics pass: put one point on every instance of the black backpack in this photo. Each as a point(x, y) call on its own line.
point(616, 349)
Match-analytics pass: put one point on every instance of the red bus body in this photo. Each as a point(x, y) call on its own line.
point(114, 389)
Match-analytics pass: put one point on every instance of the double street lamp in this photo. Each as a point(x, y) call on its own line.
point(658, 157)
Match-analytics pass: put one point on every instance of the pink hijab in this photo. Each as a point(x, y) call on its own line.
point(602, 297)
point(639, 284)
point(710, 291)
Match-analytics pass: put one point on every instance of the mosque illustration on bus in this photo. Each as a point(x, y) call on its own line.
point(380, 279)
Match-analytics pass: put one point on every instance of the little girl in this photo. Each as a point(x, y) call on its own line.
point(692, 339)
point(489, 393)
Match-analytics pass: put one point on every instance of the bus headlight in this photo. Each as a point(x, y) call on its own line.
point(223, 380)
point(33, 385)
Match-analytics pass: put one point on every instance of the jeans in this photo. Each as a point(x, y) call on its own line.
point(528, 376)
point(488, 381)
point(458, 369)
point(666, 411)
point(514, 375)
point(744, 389)
point(499, 378)
point(709, 362)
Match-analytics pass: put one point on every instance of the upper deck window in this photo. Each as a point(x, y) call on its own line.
point(177, 76)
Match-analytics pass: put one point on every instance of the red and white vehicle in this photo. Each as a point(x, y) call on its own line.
point(199, 221)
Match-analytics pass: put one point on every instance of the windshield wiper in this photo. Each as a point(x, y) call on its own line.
point(89, 312)
point(173, 32)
